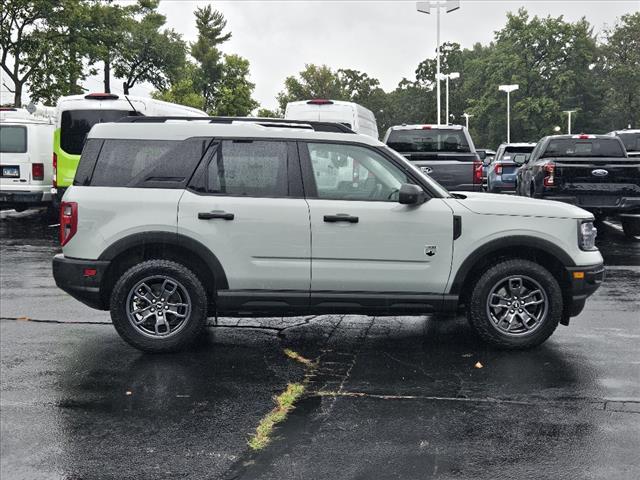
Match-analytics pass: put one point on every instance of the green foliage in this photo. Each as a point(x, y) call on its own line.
point(233, 94)
point(266, 113)
point(182, 90)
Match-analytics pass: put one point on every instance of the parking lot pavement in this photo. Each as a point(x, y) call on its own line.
point(390, 398)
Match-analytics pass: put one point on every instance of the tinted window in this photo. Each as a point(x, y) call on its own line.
point(347, 172)
point(631, 141)
point(249, 168)
point(75, 125)
point(428, 140)
point(594, 147)
point(145, 163)
point(13, 139)
point(509, 153)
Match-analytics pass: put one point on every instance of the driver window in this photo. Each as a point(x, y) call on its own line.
point(348, 172)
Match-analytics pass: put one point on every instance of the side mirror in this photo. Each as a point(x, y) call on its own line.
point(482, 154)
point(411, 194)
point(519, 160)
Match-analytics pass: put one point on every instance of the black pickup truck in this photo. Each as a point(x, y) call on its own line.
point(593, 172)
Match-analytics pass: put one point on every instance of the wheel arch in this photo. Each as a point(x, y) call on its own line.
point(539, 250)
point(139, 247)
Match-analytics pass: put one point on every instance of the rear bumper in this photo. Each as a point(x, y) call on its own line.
point(69, 274)
point(622, 205)
point(584, 282)
point(24, 197)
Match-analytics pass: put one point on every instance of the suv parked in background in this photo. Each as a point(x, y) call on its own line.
point(170, 222)
point(444, 152)
point(501, 174)
point(591, 171)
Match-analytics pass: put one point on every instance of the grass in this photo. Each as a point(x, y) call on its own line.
point(299, 358)
point(284, 404)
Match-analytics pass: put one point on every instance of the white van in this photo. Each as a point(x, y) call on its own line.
point(356, 117)
point(26, 146)
point(76, 114)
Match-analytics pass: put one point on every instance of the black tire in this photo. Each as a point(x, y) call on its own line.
point(631, 228)
point(479, 310)
point(188, 287)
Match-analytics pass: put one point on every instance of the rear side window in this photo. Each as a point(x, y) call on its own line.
point(249, 168)
point(75, 125)
point(593, 147)
point(13, 139)
point(510, 153)
point(142, 163)
point(631, 141)
point(428, 140)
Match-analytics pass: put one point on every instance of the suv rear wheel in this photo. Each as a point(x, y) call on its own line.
point(515, 304)
point(159, 306)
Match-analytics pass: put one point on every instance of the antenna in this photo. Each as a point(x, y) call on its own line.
point(134, 108)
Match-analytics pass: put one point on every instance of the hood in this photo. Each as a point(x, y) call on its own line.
point(496, 204)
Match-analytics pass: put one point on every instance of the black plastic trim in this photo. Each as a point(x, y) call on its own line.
point(170, 239)
point(512, 241)
point(457, 226)
point(68, 274)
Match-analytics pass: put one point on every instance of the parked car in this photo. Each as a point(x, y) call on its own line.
point(76, 114)
point(631, 140)
point(25, 159)
point(486, 157)
point(445, 152)
point(501, 174)
point(591, 171)
point(228, 230)
point(353, 115)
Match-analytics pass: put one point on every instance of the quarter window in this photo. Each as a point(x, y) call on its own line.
point(249, 168)
point(348, 172)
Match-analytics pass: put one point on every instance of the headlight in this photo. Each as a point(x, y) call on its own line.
point(587, 235)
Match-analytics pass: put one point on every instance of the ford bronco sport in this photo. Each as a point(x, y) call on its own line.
point(169, 222)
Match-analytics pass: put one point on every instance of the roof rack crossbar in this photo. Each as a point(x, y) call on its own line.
point(265, 122)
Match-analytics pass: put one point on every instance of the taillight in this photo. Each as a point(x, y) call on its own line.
point(68, 221)
point(54, 176)
point(498, 169)
point(549, 174)
point(477, 172)
point(37, 171)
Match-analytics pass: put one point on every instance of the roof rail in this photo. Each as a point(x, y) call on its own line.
point(265, 122)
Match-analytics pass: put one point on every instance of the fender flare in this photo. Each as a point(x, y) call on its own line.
point(170, 239)
point(505, 242)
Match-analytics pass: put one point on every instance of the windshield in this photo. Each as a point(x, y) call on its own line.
point(435, 185)
point(75, 125)
point(631, 141)
point(13, 139)
point(592, 147)
point(428, 140)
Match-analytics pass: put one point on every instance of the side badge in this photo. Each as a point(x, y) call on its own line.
point(430, 250)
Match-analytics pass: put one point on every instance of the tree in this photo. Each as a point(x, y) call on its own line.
point(266, 113)
point(211, 24)
point(182, 91)
point(313, 82)
point(233, 94)
point(147, 54)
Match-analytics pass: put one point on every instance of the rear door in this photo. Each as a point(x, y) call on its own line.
point(15, 166)
point(363, 240)
point(245, 204)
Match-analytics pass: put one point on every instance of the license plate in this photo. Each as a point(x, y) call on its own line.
point(13, 172)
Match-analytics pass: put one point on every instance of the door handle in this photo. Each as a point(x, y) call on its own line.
point(215, 214)
point(340, 217)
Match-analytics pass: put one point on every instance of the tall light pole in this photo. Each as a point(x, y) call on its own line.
point(425, 7)
point(508, 89)
point(466, 119)
point(569, 112)
point(447, 76)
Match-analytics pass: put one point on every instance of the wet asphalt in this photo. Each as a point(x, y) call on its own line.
point(397, 397)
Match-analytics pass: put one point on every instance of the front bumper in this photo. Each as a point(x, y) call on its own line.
point(70, 276)
point(584, 281)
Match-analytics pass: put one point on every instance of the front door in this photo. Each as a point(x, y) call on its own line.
point(363, 240)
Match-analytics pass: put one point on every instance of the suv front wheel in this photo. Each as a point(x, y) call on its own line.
point(515, 304)
point(159, 306)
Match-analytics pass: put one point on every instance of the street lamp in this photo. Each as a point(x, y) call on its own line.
point(508, 89)
point(425, 7)
point(447, 76)
point(569, 112)
point(466, 118)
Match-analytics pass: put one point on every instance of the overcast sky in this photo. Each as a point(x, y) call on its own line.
point(385, 39)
